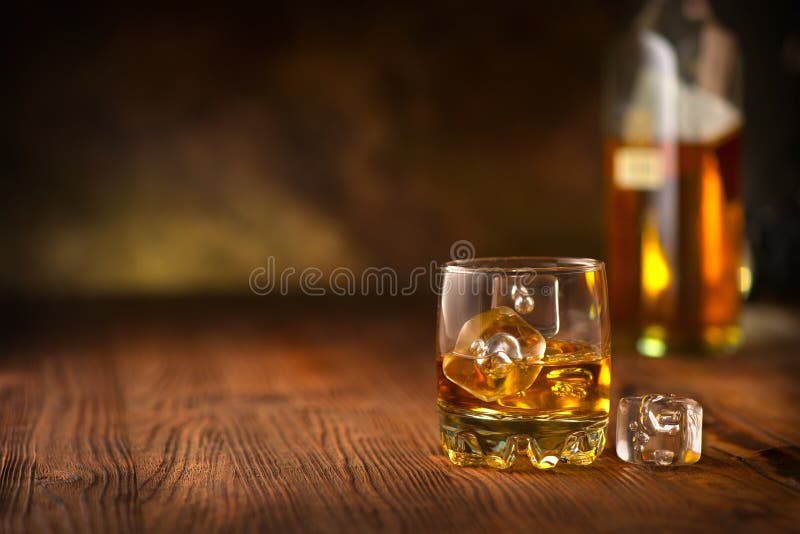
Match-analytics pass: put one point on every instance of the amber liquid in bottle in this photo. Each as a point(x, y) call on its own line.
point(712, 226)
point(675, 251)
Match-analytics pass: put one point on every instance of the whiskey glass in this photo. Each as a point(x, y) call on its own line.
point(523, 361)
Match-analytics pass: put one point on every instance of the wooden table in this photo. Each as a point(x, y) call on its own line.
point(320, 417)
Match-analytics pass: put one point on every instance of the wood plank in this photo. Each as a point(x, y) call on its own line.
point(85, 472)
point(20, 409)
point(318, 422)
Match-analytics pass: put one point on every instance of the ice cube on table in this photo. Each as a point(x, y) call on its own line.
point(659, 429)
point(497, 354)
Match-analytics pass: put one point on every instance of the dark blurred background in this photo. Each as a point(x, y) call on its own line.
point(165, 151)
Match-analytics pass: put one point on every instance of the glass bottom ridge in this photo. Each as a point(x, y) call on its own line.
point(500, 443)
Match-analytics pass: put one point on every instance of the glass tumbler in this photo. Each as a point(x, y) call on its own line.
point(523, 361)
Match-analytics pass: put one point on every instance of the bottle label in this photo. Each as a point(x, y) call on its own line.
point(639, 168)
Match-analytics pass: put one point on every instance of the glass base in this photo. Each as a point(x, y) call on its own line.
point(470, 440)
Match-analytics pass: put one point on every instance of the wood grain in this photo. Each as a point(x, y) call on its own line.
point(217, 420)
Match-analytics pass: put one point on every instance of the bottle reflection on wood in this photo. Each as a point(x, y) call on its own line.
point(675, 218)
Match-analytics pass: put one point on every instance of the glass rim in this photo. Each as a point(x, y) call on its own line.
point(524, 264)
